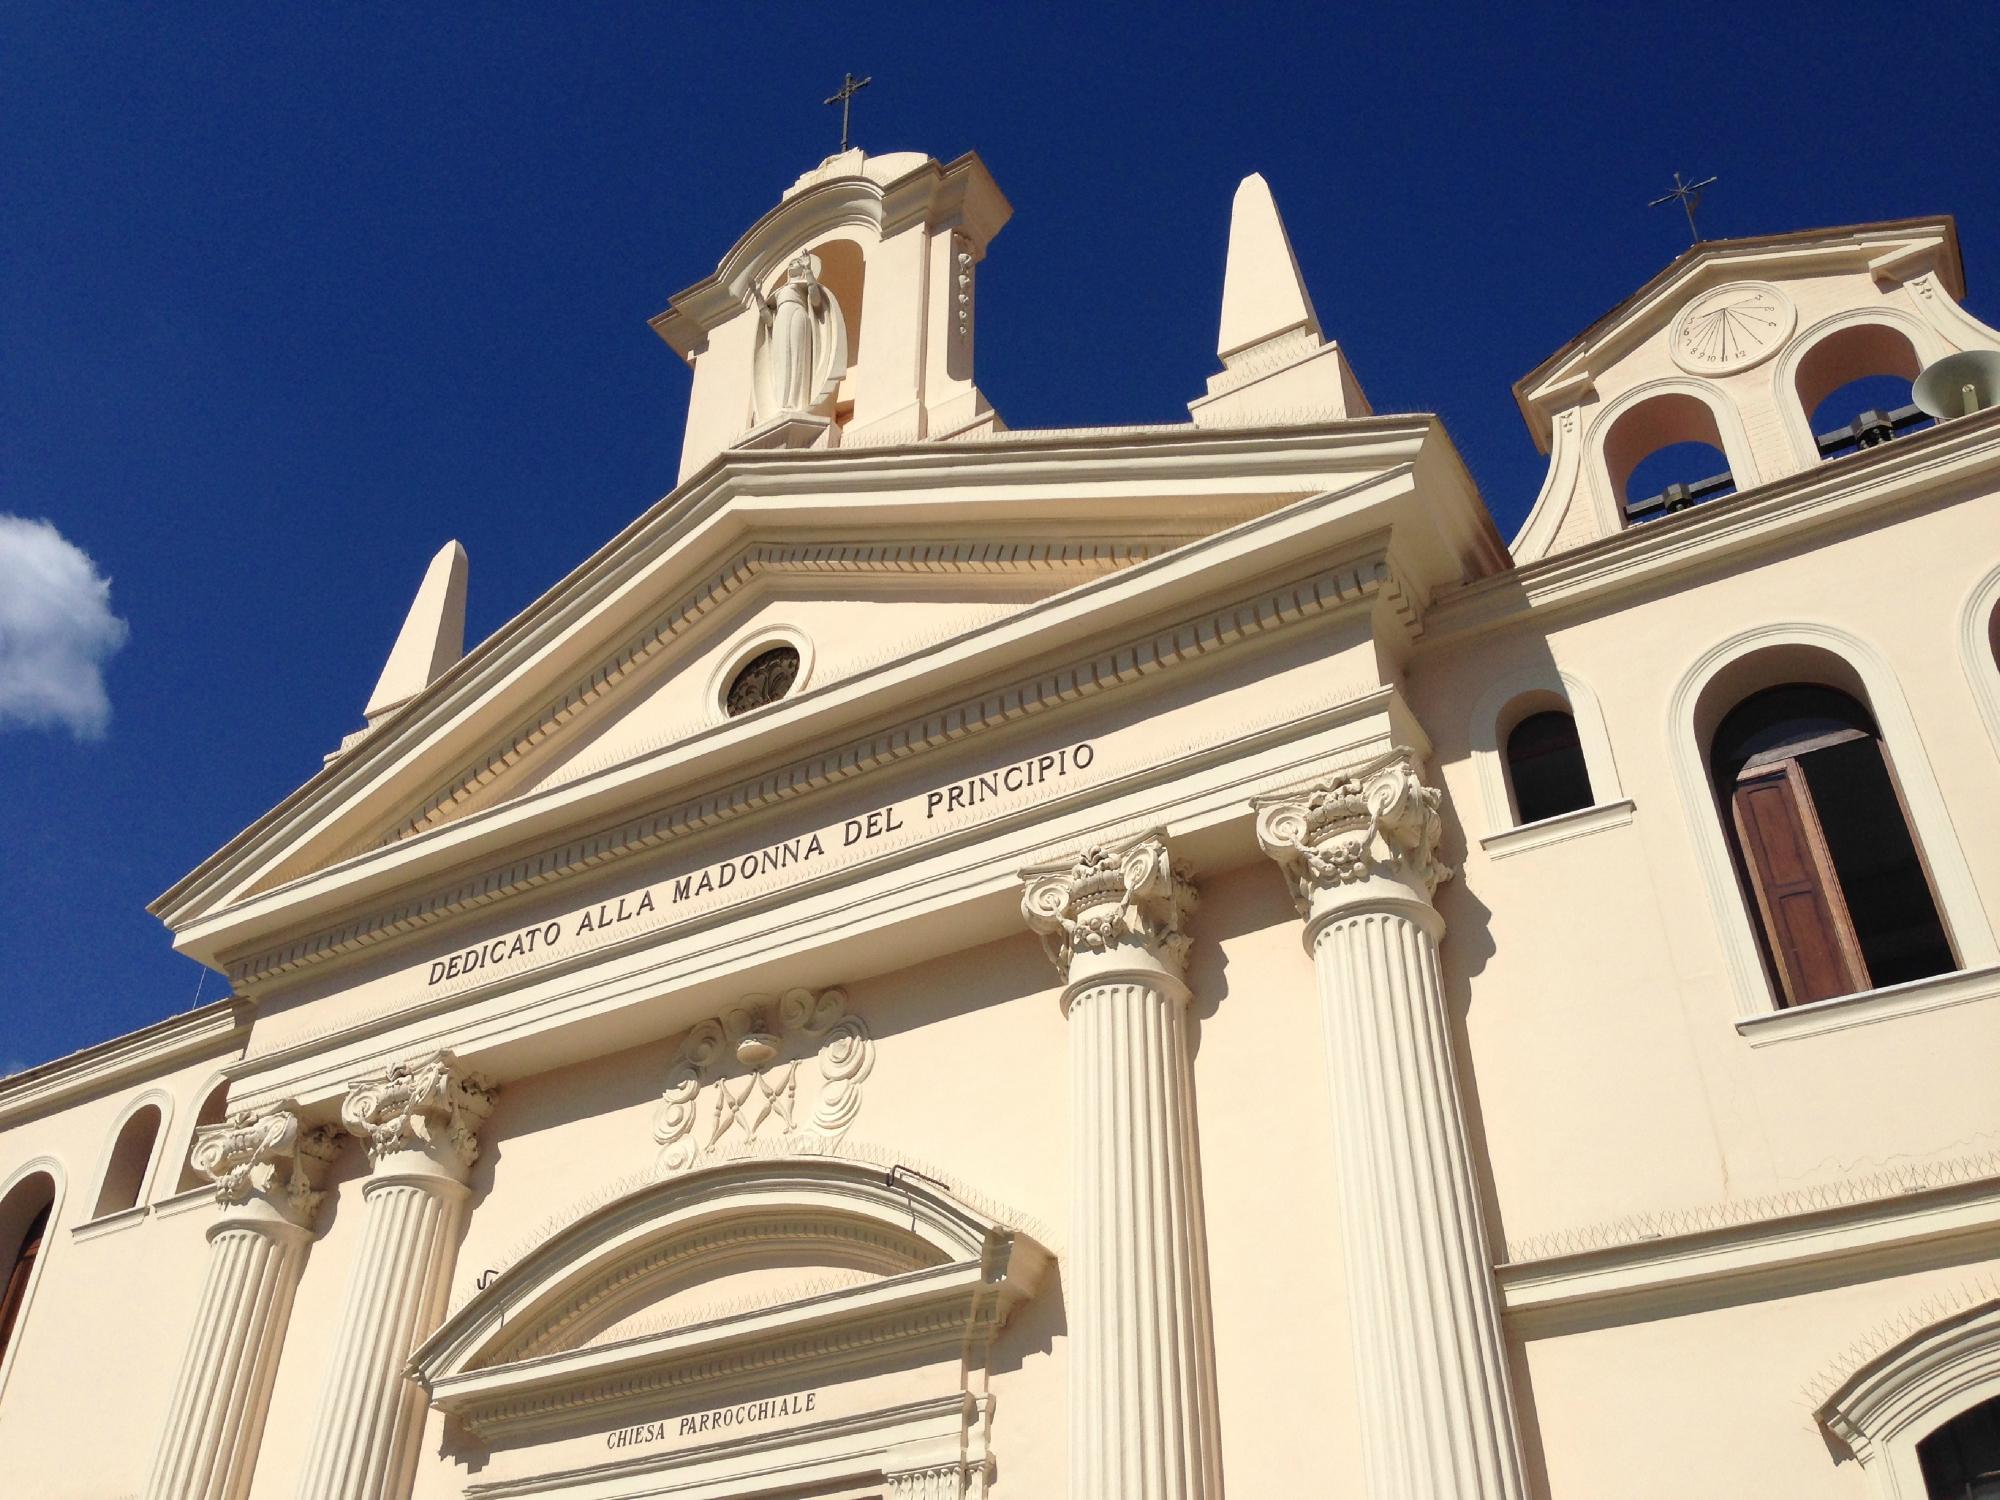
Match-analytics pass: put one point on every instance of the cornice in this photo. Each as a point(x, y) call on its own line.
point(144, 1053)
point(1845, 491)
point(1353, 582)
point(1208, 474)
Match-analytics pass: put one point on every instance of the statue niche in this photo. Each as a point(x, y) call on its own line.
point(801, 346)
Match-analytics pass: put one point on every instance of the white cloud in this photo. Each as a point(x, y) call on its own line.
point(56, 631)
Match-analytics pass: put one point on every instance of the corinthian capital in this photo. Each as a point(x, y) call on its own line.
point(1379, 820)
point(431, 1104)
point(1111, 896)
point(266, 1154)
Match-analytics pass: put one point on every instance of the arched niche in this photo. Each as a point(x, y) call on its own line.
point(781, 1287)
point(130, 1157)
point(213, 1108)
point(1809, 652)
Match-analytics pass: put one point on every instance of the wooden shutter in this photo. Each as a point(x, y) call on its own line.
point(1806, 925)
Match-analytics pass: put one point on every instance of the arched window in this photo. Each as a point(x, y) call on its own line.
point(1854, 387)
point(1823, 845)
point(1545, 767)
point(1961, 1460)
point(213, 1108)
point(24, 1227)
point(131, 1154)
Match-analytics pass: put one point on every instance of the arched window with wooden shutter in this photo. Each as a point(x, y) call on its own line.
point(1823, 845)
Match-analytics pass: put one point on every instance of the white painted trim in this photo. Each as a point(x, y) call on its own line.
point(1494, 717)
point(124, 1218)
point(1939, 992)
point(1981, 670)
point(156, 1098)
point(1610, 508)
point(1885, 1408)
point(1963, 912)
point(1785, 376)
point(1580, 823)
point(54, 1170)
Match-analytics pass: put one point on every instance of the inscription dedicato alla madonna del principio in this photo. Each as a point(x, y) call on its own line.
point(909, 817)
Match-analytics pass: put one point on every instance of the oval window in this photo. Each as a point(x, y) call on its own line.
point(765, 678)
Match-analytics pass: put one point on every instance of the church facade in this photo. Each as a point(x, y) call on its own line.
point(1131, 963)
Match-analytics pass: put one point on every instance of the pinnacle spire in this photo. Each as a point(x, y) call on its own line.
point(1263, 294)
point(432, 637)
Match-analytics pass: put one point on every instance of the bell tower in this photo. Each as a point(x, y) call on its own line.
point(844, 316)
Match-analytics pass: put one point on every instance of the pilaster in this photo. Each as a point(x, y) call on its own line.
point(1141, 1388)
point(266, 1166)
point(1359, 851)
point(419, 1122)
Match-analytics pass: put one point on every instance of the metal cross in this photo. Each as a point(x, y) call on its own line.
point(845, 99)
point(1689, 194)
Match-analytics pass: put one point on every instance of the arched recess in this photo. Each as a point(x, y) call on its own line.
point(132, 1154)
point(1884, 1409)
point(1842, 347)
point(1979, 647)
point(762, 1268)
point(32, 1195)
point(214, 1107)
point(1510, 699)
point(1768, 656)
point(1623, 435)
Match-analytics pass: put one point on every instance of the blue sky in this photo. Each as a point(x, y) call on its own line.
point(291, 295)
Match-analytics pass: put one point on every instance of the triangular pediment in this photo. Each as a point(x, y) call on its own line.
point(844, 607)
point(943, 587)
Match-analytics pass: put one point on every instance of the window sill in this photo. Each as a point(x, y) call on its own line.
point(125, 1218)
point(1570, 825)
point(185, 1199)
point(1939, 992)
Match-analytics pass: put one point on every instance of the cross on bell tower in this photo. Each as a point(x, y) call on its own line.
point(844, 97)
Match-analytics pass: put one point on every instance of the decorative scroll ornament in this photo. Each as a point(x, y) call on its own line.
point(267, 1153)
point(738, 1076)
point(1380, 820)
point(1109, 894)
point(801, 350)
point(431, 1103)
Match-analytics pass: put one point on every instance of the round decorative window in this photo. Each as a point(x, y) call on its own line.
point(765, 678)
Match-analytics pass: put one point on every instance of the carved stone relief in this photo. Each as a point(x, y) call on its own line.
point(771, 1067)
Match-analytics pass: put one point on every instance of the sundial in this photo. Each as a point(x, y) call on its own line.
point(1731, 328)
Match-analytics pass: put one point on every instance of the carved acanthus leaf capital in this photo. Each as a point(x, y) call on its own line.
point(1379, 819)
point(1112, 894)
point(431, 1104)
point(267, 1153)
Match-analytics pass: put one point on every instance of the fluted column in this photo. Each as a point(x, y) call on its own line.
point(1141, 1383)
point(1360, 854)
point(420, 1122)
point(266, 1167)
